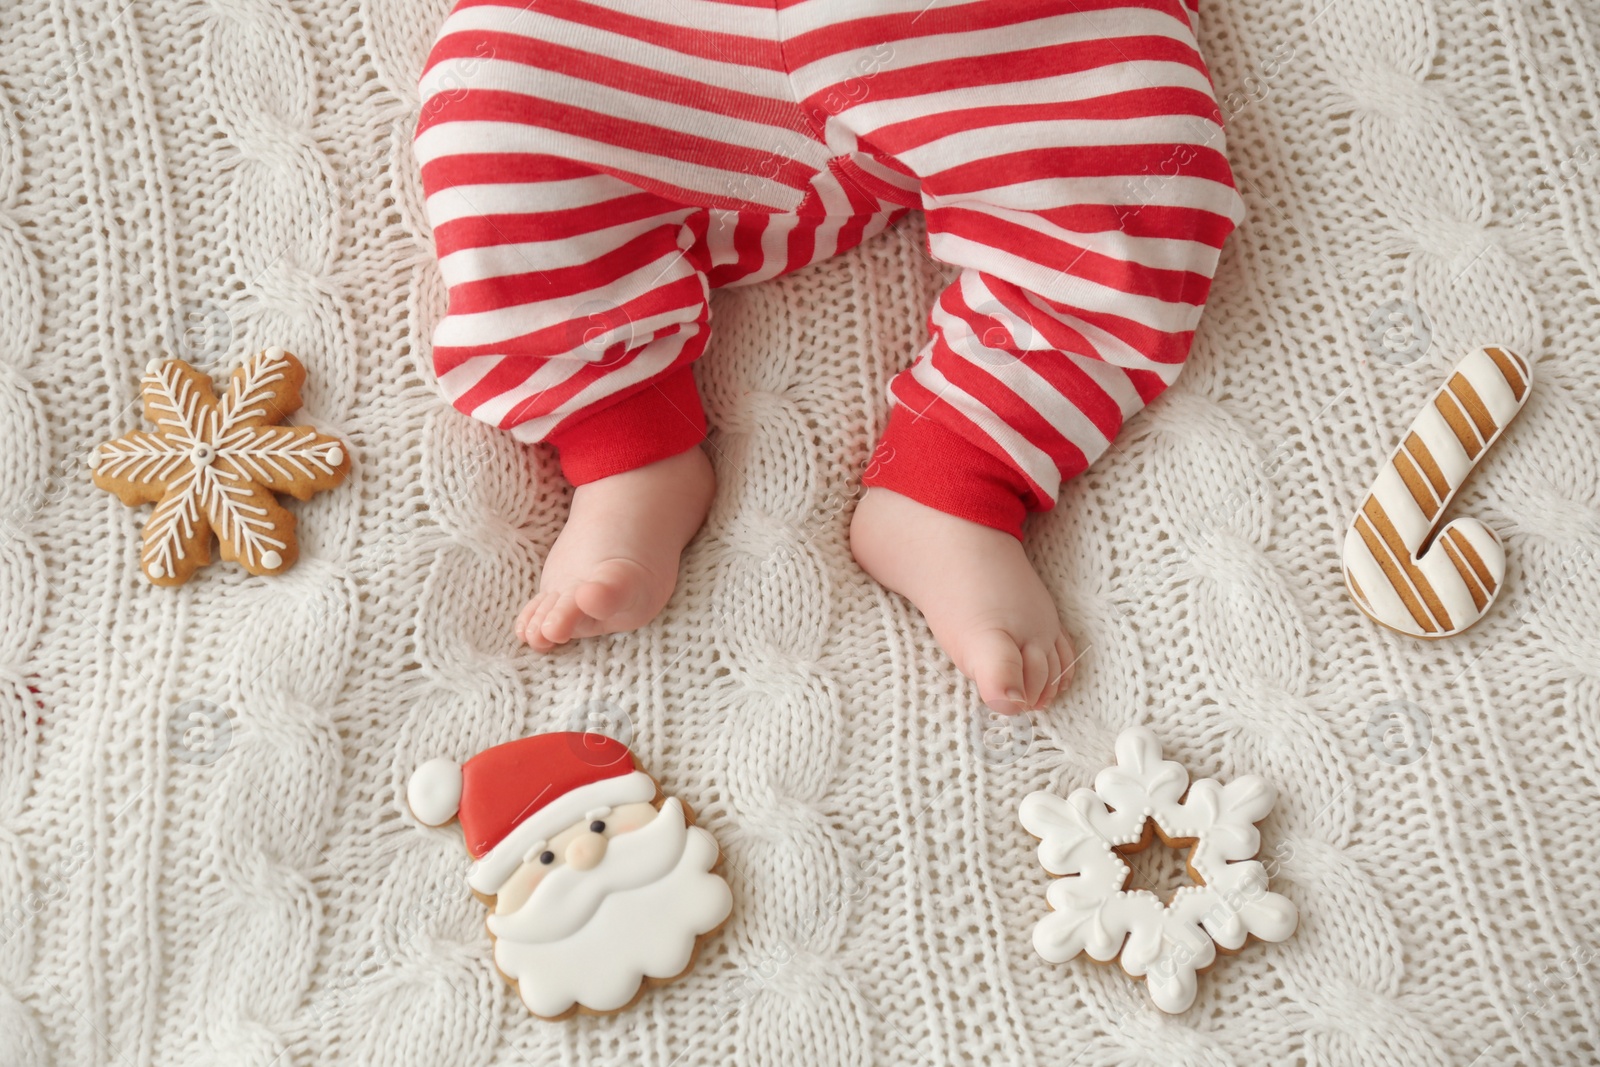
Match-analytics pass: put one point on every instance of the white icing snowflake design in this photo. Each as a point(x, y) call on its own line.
point(213, 466)
point(1082, 839)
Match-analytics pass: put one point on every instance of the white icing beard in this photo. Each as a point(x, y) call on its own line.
point(590, 937)
point(566, 897)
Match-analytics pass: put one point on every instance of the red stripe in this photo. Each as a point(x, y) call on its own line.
point(549, 400)
point(483, 231)
point(1055, 332)
point(1170, 286)
point(1025, 64)
point(486, 105)
point(1155, 345)
point(971, 377)
point(509, 373)
point(748, 228)
point(865, 186)
point(640, 81)
point(1137, 161)
point(1159, 220)
point(1151, 220)
point(730, 48)
point(507, 168)
point(802, 243)
point(847, 36)
point(862, 207)
point(561, 338)
point(492, 294)
point(1148, 383)
point(1158, 347)
point(476, 168)
point(1065, 376)
point(1160, 102)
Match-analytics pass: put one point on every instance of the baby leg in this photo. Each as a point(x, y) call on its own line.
point(570, 154)
point(1071, 163)
point(577, 303)
point(574, 318)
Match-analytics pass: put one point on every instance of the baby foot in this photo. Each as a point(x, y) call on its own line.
point(982, 598)
point(615, 562)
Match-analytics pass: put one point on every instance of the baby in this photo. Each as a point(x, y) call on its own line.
point(594, 168)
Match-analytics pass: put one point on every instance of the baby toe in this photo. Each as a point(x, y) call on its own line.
point(993, 660)
point(533, 631)
point(1035, 671)
point(560, 621)
point(525, 616)
point(1052, 684)
point(1069, 661)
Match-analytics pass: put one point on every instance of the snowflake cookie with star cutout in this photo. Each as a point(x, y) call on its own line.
point(1084, 838)
point(212, 466)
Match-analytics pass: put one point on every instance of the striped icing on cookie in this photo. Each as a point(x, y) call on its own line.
point(1399, 573)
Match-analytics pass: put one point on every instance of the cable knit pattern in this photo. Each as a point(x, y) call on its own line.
point(24, 890)
point(204, 851)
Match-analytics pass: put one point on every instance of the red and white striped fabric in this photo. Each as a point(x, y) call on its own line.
point(594, 169)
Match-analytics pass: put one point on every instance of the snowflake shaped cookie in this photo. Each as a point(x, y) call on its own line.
point(1084, 838)
point(212, 466)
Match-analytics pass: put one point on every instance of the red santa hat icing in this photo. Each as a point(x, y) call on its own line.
point(514, 797)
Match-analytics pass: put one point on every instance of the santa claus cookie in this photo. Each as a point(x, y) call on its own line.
point(596, 884)
point(1084, 838)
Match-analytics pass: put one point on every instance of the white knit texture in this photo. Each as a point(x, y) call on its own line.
point(204, 852)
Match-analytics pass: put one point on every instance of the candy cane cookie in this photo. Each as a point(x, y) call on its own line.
point(1401, 574)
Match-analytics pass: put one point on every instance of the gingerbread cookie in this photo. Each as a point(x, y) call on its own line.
point(596, 884)
point(212, 466)
point(1084, 838)
point(1400, 573)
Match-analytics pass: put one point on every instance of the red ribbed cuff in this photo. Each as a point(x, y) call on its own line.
point(936, 466)
point(660, 419)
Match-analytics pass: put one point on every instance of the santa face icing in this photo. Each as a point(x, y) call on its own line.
point(580, 847)
point(593, 889)
point(1083, 838)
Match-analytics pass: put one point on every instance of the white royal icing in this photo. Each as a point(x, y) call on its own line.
point(644, 932)
point(434, 791)
point(1165, 944)
point(566, 898)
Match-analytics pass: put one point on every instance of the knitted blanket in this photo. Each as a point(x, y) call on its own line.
point(205, 855)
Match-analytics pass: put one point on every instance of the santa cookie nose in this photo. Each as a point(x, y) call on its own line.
point(585, 851)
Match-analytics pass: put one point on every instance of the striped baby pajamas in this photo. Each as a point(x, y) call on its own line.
point(594, 168)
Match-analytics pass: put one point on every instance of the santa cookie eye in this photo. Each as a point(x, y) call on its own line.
point(597, 827)
point(547, 857)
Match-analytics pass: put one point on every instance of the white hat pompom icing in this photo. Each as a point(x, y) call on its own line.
point(434, 792)
point(1084, 837)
